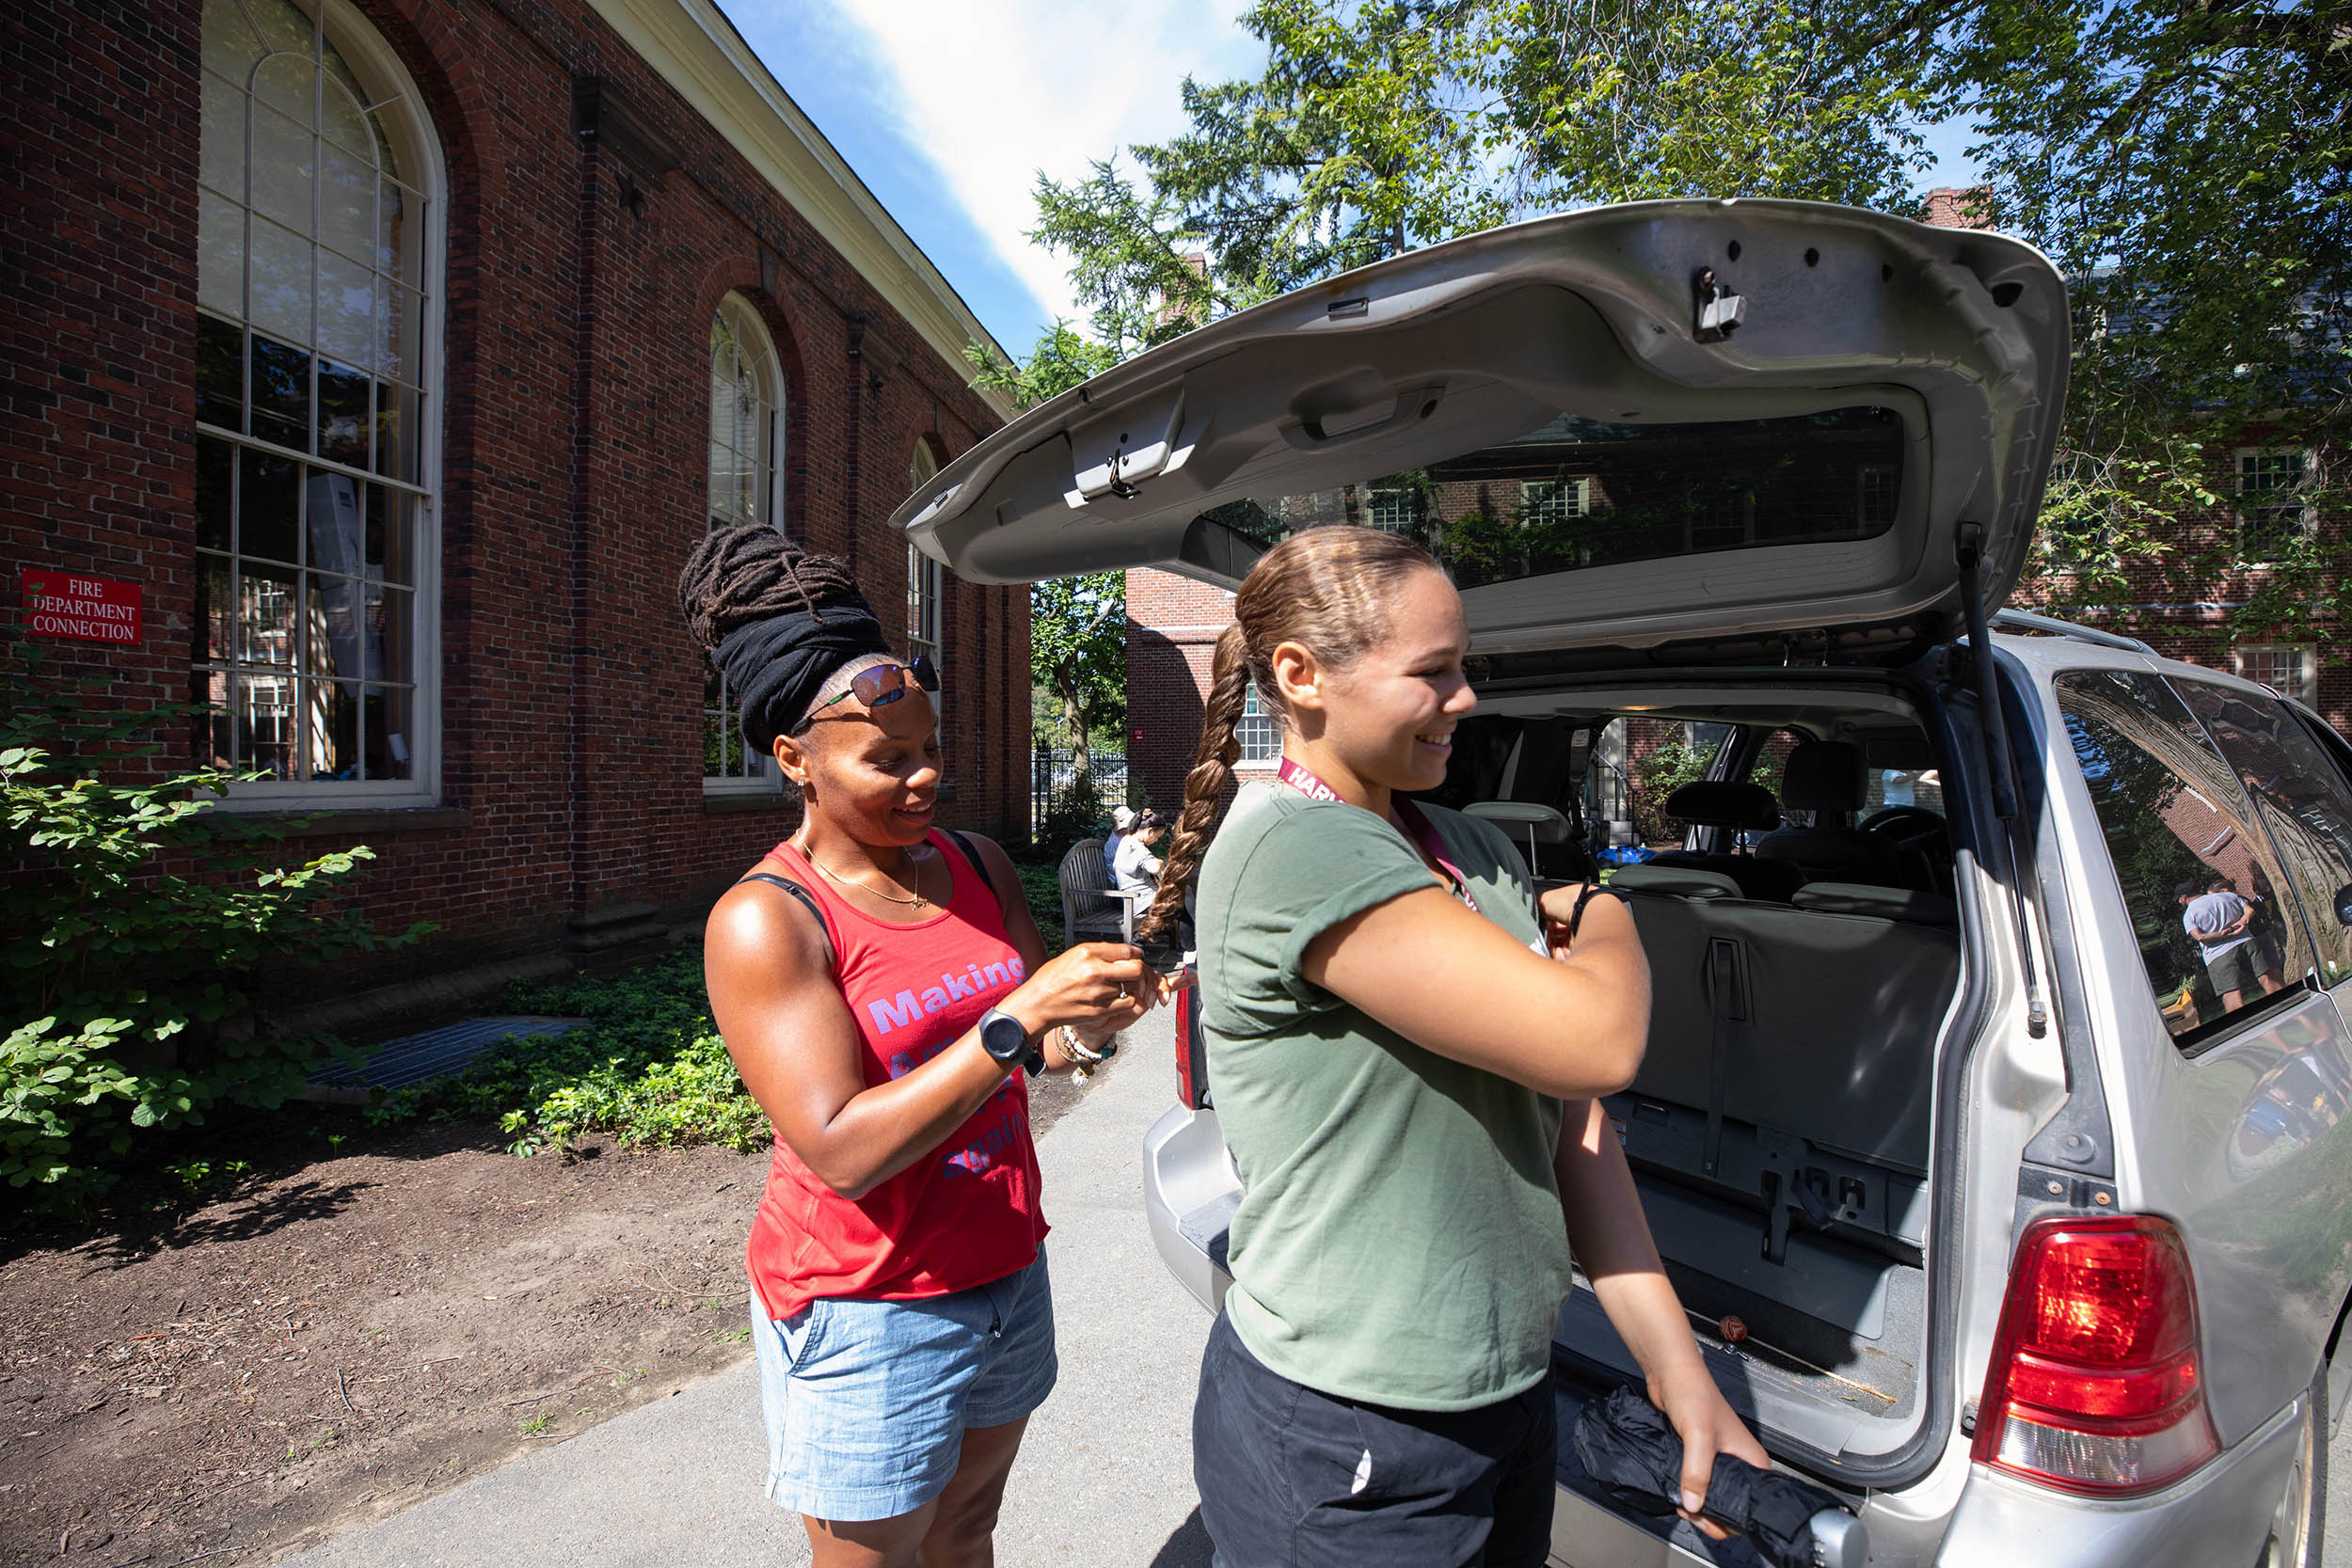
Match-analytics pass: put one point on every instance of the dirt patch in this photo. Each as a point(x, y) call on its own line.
point(345, 1336)
point(333, 1345)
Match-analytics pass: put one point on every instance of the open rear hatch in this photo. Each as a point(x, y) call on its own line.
point(1638, 426)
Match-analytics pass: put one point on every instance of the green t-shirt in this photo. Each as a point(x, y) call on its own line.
point(1399, 1239)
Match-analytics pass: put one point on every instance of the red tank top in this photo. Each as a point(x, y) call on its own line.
point(965, 1214)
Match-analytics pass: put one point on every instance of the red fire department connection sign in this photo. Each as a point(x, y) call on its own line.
point(88, 610)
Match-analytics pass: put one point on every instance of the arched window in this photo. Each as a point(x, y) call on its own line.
point(747, 401)
point(318, 476)
point(923, 578)
point(746, 420)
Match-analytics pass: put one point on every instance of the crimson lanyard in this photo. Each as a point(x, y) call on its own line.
point(1416, 825)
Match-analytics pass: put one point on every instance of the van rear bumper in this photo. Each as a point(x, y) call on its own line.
point(2219, 1516)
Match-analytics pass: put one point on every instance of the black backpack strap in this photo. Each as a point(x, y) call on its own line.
point(808, 901)
point(963, 841)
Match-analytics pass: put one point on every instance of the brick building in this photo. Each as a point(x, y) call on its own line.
point(398, 352)
point(2199, 601)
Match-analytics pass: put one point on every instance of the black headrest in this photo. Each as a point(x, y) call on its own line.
point(1888, 903)
point(1723, 804)
point(1681, 881)
point(1823, 775)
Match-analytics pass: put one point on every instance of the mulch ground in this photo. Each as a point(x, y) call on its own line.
point(355, 1328)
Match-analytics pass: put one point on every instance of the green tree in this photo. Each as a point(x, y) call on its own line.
point(2188, 163)
point(1079, 651)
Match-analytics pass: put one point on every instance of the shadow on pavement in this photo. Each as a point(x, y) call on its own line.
point(1189, 1548)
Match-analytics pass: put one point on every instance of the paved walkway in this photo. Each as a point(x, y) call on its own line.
point(1106, 1474)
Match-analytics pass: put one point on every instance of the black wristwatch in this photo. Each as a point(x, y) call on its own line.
point(1007, 1038)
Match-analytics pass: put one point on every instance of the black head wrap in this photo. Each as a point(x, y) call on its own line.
point(775, 666)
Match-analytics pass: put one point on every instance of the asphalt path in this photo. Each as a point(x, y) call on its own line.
point(1105, 1471)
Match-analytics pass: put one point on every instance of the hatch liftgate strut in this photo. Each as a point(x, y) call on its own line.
point(1993, 727)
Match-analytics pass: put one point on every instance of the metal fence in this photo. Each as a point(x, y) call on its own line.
point(1053, 771)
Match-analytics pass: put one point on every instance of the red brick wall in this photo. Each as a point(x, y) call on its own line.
point(1172, 626)
point(576, 391)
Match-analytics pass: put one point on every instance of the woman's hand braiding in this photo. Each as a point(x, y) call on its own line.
point(1096, 988)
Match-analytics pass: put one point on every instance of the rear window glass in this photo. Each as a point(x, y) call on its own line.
point(2303, 800)
point(2216, 927)
point(1578, 492)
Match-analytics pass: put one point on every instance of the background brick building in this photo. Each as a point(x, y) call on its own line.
point(399, 351)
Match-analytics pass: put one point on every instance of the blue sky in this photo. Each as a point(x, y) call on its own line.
point(948, 109)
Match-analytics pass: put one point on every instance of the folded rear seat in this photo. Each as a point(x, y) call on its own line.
point(1815, 1020)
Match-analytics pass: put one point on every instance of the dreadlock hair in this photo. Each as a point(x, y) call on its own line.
point(1326, 589)
point(737, 576)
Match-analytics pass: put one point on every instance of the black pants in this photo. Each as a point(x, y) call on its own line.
point(1291, 1477)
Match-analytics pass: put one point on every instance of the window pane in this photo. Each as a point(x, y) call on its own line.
point(330, 731)
point(342, 433)
point(219, 254)
point(262, 711)
point(387, 721)
point(215, 492)
point(398, 413)
point(342, 117)
point(267, 507)
point(2204, 894)
point(266, 629)
point(221, 156)
point(281, 393)
point(2302, 799)
point(219, 372)
point(212, 733)
point(347, 204)
point(282, 163)
point(346, 306)
point(230, 47)
point(281, 281)
point(391, 535)
point(402, 310)
point(394, 233)
point(215, 612)
point(284, 26)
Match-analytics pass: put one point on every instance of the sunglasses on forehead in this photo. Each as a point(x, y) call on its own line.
point(882, 686)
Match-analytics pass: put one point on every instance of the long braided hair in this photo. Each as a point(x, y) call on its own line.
point(737, 576)
point(1326, 589)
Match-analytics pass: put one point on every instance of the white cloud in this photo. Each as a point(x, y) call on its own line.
point(994, 91)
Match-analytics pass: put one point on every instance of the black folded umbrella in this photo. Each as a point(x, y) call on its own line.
point(1630, 1450)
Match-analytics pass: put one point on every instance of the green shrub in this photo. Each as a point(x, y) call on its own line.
point(1656, 775)
point(1078, 813)
point(137, 928)
point(648, 1067)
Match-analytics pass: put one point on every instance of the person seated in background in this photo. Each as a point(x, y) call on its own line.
point(1135, 868)
point(1122, 819)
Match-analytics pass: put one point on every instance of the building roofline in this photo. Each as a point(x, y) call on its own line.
point(697, 50)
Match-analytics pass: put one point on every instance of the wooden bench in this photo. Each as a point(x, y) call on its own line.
point(1090, 902)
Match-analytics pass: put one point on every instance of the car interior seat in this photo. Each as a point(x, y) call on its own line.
point(1826, 778)
point(1741, 808)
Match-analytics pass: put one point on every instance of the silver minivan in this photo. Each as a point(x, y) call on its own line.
point(1988, 1125)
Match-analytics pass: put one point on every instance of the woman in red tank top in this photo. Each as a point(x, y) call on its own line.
point(882, 986)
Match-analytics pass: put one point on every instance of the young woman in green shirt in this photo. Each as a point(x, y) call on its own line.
point(1408, 1049)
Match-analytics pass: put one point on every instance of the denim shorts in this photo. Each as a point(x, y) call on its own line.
point(867, 1402)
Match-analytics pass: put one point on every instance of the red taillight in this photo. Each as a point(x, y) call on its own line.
point(1191, 1077)
point(2095, 1384)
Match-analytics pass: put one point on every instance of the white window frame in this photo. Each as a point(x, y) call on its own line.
point(2270, 513)
point(1572, 498)
point(755, 349)
point(2248, 662)
point(924, 585)
point(364, 48)
point(1260, 734)
point(1395, 501)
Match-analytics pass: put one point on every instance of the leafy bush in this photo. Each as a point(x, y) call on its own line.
point(1656, 775)
point(137, 928)
point(648, 1067)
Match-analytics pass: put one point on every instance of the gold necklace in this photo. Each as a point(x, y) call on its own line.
point(916, 902)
